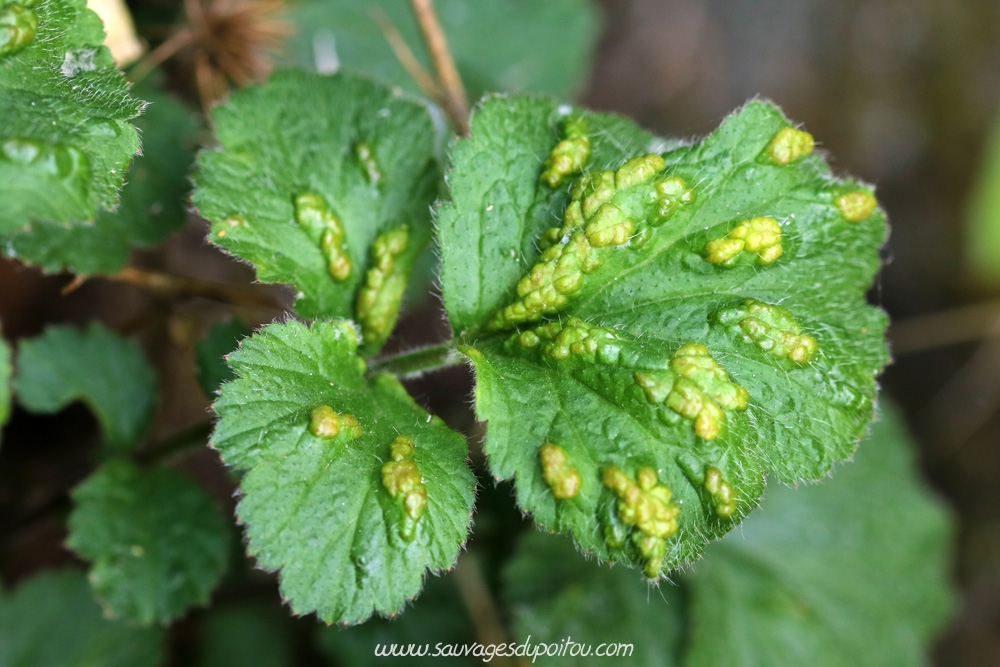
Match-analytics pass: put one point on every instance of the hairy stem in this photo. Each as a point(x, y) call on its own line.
point(456, 104)
point(414, 363)
point(479, 601)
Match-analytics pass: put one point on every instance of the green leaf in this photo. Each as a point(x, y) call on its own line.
point(156, 542)
point(696, 322)
point(108, 373)
point(982, 240)
point(509, 45)
point(311, 174)
point(853, 571)
point(65, 141)
point(209, 353)
point(248, 636)
point(5, 373)
point(555, 595)
point(52, 621)
point(438, 618)
point(336, 496)
point(153, 202)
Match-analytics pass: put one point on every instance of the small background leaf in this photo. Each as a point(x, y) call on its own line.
point(299, 134)
point(5, 373)
point(62, 90)
point(438, 616)
point(553, 593)
point(52, 621)
point(153, 200)
point(316, 507)
point(248, 636)
point(211, 368)
point(156, 542)
point(851, 571)
point(547, 52)
point(108, 373)
point(982, 238)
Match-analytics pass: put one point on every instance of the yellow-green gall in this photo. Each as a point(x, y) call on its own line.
point(722, 493)
point(573, 338)
point(315, 216)
point(788, 145)
point(326, 423)
point(696, 387)
point(593, 191)
point(856, 206)
point(646, 505)
point(561, 475)
point(402, 479)
point(638, 170)
point(18, 23)
point(671, 194)
point(366, 156)
point(609, 226)
point(771, 328)
point(380, 297)
point(570, 155)
point(760, 235)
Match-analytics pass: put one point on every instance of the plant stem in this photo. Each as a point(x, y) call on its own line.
point(423, 78)
point(178, 444)
point(414, 363)
point(456, 106)
point(173, 286)
point(475, 593)
point(948, 327)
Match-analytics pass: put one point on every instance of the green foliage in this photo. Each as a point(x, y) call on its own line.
point(211, 368)
point(851, 571)
point(289, 174)
point(65, 141)
point(438, 616)
point(248, 636)
point(554, 593)
point(153, 201)
point(108, 373)
point(512, 45)
point(52, 621)
point(982, 240)
point(316, 501)
point(796, 584)
point(613, 335)
point(156, 542)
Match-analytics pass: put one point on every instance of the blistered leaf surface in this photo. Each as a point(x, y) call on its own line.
point(678, 320)
point(153, 201)
point(155, 540)
point(352, 491)
point(65, 142)
point(311, 171)
point(108, 373)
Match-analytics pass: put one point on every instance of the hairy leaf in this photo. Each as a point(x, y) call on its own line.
point(156, 542)
point(108, 373)
point(311, 173)
point(555, 595)
point(352, 490)
point(548, 52)
point(52, 621)
point(153, 201)
point(65, 141)
point(210, 351)
point(654, 336)
point(852, 571)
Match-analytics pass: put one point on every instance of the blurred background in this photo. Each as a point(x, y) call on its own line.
point(904, 94)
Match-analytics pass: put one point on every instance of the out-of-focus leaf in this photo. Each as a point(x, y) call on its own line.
point(247, 636)
point(210, 354)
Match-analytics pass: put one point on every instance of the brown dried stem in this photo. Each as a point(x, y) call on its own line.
point(456, 105)
point(174, 286)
